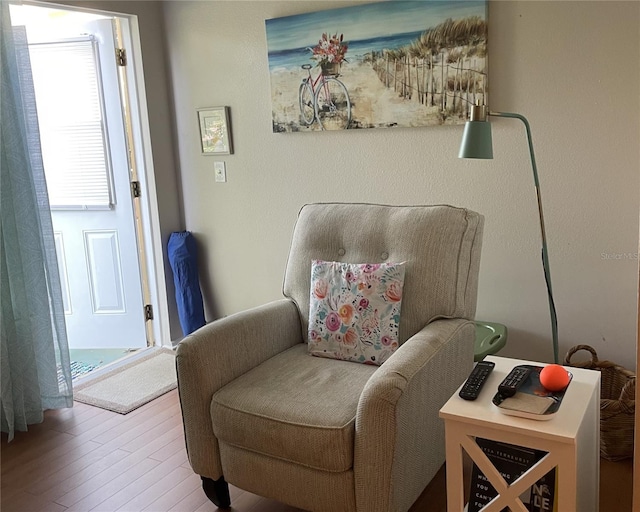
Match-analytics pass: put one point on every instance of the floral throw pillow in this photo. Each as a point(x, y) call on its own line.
point(354, 311)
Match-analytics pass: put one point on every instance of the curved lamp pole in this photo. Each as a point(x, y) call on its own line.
point(477, 143)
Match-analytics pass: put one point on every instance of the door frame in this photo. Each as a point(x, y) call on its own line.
point(635, 505)
point(151, 237)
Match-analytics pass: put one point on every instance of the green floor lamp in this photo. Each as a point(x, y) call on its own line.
point(477, 143)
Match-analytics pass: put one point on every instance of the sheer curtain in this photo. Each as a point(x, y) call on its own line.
point(35, 374)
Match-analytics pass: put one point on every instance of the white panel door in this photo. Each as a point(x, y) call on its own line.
point(89, 189)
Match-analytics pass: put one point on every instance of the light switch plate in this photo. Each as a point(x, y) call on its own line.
point(221, 171)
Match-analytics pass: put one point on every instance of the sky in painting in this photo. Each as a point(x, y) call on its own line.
point(366, 21)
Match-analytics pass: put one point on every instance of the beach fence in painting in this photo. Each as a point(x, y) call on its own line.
point(444, 67)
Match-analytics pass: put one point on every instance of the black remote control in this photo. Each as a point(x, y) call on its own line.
point(511, 382)
point(478, 376)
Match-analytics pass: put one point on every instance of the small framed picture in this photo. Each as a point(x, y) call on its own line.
point(215, 136)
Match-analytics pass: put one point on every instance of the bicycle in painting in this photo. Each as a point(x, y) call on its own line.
point(324, 99)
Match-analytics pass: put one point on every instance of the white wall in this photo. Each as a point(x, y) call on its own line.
point(571, 67)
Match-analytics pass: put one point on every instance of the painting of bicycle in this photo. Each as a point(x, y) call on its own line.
point(382, 65)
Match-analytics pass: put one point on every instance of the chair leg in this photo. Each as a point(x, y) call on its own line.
point(217, 491)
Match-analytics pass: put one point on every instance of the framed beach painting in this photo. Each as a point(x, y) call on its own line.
point(387, 64)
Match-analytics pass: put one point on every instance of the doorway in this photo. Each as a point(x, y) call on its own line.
point(91, 177)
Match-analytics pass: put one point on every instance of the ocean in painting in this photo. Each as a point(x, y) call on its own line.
point(357, 50)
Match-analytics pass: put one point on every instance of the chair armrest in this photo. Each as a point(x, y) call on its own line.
point(399, 443)
point(218, 353)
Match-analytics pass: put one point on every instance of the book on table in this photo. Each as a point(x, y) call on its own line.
point(511, 461)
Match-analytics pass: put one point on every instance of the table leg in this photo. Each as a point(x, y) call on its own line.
point(566, 493)
point(455, 488)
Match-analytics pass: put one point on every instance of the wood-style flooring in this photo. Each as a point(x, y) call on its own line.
point(89, 459)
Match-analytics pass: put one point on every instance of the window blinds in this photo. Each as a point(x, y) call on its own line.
point(71, 121)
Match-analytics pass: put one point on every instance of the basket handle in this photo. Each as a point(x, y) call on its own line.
point(629, 390)
point(586, 364)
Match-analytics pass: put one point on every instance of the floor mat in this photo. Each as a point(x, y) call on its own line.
point(126, 387)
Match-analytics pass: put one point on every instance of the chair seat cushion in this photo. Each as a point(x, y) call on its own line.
point(295, 407)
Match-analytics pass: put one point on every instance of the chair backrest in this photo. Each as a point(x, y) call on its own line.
point(440, 245)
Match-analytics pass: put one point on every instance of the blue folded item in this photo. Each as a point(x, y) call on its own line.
point(183, 259)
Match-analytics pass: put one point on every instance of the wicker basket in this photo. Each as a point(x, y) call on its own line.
point(330, 68)
point(617, 404)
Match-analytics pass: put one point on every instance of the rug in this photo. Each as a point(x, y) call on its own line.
point(127, 387)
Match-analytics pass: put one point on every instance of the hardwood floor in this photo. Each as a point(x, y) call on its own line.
point(87, 458)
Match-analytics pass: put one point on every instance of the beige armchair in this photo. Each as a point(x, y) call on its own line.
point(327, 435)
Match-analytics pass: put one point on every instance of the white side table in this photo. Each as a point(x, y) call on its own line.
point(571, 438)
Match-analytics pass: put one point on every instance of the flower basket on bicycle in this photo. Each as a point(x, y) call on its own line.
point(330, 68)
point(329, 53)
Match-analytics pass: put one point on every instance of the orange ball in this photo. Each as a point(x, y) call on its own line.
point(554, 377)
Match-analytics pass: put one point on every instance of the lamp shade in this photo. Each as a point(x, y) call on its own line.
point(476, 141)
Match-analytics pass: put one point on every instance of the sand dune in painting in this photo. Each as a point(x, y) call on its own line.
point(373, 105)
